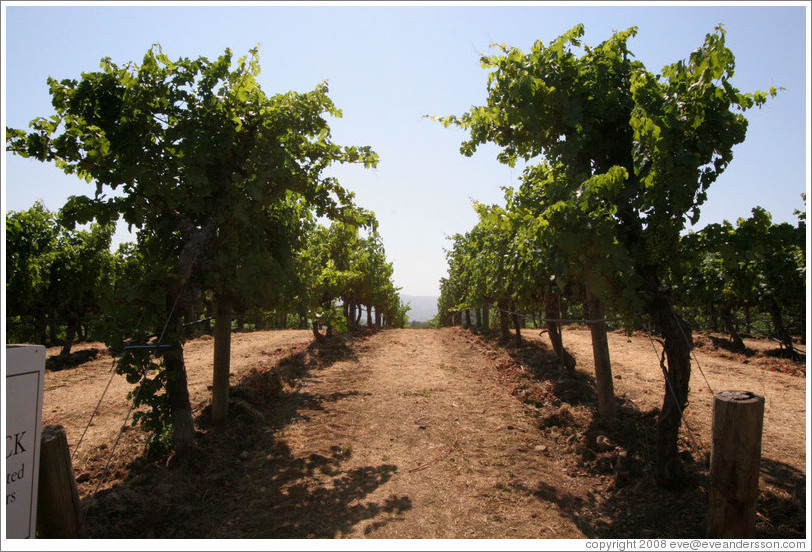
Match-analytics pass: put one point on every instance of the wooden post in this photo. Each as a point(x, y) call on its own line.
point(59, 514)
point(552, 304)
point(504, 320)
point(518, 325)
point(221, 367)
point(607, 406)
point(738, 418)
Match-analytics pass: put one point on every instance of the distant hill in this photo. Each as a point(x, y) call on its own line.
point(423, 307)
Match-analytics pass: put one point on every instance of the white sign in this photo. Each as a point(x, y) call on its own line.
point(25, 378)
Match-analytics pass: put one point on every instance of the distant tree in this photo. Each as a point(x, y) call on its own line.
point(80, 276)
point(777, 254)
point(342, 270)
point(30, 241)
point(396, 311)
point(755, 263)
point(716, 277)
point(325, 265)
point(56, 273)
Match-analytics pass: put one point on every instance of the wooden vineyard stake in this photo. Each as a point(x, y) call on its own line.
point(738, 417)
point(58, 508)
point(607, 405)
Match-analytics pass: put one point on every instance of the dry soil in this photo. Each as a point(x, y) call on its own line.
point(424, 434)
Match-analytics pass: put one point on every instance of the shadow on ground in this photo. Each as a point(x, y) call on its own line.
point(728, 345)
point(61, 362)
point(240, 480)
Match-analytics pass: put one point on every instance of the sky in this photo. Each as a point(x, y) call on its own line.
point(388, 65)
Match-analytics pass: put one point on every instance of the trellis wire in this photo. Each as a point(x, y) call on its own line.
point(118, 437)
point(109, 381)
point(157, 344)
point(769, 336)
point(753, 326)
point(691, 348)
point(113, 371)
point(659, 359)
point(96, 410)
point(671, 389)
point(599, 320)
point(559, 320)
point(197, 322)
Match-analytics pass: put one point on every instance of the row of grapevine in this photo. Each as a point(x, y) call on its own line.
point(618, 160)
point(56, 279)
point(223, 186)
point(732, 274)
point(347, 275)
point(64, 281)
point(749, 278)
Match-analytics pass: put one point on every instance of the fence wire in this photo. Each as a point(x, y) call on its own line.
point(670, 387)
point(154, 348)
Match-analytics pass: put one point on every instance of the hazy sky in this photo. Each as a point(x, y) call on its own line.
point(389, 65)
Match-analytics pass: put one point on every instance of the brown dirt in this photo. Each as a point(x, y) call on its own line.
point(424, 434)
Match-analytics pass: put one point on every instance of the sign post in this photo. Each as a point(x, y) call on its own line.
point(25, 378)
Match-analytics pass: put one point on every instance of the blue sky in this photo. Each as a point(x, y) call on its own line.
point(388, 65)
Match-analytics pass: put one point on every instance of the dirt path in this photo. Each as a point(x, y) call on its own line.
point(423, 434)
point(433, 446)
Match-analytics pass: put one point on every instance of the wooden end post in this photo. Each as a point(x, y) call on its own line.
point(738, 418)
point(58, 510)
